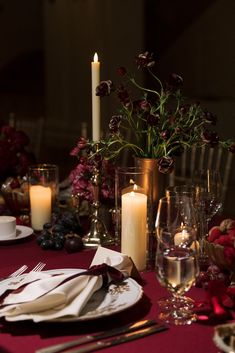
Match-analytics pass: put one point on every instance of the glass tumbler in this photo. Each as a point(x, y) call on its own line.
point(43, 192)
point(134, 201)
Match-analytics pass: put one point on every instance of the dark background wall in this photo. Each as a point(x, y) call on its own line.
point(47, 47)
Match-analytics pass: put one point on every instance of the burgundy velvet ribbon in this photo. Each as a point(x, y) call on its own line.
point(108, 273)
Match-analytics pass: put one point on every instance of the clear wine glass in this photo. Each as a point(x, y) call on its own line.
point(176, 256)
point(209, 201)
point(187, 190)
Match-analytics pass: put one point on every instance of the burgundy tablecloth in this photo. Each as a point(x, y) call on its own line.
point(26, 337)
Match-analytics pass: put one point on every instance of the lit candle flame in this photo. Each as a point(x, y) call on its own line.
point(135, 187)
point(95, 58)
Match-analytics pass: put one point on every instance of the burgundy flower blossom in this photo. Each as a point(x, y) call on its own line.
point(209, 118)
point(145, 60)
point(231, 148)
point(19, 140)
point(105, 88)
point(81, 145)
point(121, 71)
point(152, 120)
point(144, 105)
point(184, 109)
point(114, 123)
point(165, 134)
point(81, 178)
point(7, 130)
point(210, 137)
point(165, 164)
point(174, 82)
point(123, 95)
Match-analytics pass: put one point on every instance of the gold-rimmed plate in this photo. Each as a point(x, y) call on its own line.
point(105, 302)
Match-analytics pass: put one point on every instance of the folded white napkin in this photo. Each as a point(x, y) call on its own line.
point(63, 295)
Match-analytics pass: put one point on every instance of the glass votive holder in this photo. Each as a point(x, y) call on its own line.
point(43, 192)
point(133, 197)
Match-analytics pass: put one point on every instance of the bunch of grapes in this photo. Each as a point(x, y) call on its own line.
point(64, 231)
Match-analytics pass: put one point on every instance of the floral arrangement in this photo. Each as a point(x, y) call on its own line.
point(14, 156)
point(163, 123)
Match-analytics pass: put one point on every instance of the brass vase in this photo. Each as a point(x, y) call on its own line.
point(157, 192)
point(159, 181)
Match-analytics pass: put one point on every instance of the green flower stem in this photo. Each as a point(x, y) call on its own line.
point(143, 88)
point(156, 78)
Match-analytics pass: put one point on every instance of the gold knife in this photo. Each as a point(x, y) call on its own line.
point(89, 338)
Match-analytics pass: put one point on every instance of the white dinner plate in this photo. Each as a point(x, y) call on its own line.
point(21, 233)
point(104, 302)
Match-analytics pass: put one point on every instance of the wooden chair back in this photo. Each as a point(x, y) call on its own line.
point(202, 158)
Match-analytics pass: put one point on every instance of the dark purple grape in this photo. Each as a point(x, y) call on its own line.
point(47, 226)
point(58, 245)
point(59, 236)
point(45, 233)
point(47, 244)
point(73, 244)
point(40, 239)
point(59, 228)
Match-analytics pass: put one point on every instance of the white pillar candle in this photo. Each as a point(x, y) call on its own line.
point(40, 205)
point(134, 227)
point(95, 81)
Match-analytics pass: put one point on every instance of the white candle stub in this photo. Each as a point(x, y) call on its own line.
point(181, 237)
point(133, 229)
point(40, 204)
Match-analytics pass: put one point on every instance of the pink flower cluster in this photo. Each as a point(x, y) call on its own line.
point(81, 175)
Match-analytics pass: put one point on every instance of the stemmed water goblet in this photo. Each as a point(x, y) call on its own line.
point(208, 188)
point(176, 256)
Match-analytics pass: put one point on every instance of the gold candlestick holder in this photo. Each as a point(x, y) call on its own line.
point(98, 234)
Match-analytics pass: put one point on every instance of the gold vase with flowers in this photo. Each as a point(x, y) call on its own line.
point(154, 124)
